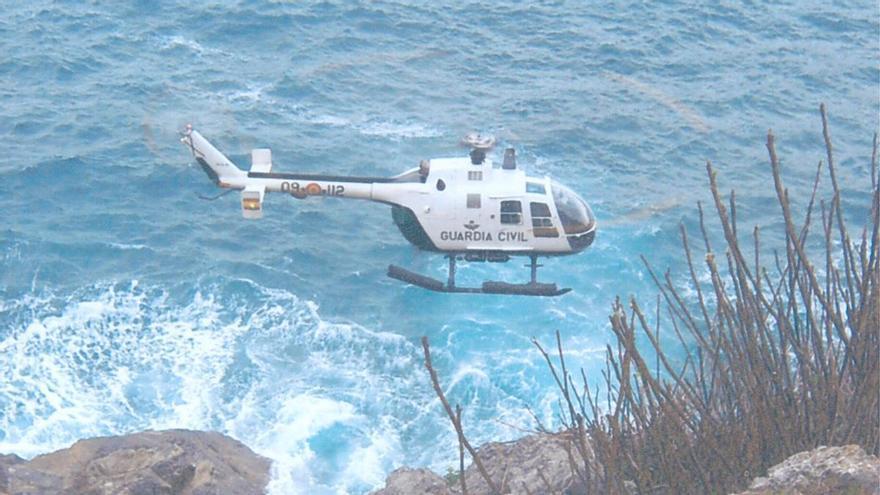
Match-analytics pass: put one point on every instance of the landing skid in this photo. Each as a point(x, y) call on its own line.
point(532, 288)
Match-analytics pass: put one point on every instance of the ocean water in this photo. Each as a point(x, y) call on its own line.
point(127, 303)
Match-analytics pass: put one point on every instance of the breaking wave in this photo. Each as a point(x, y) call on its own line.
point(263, 368)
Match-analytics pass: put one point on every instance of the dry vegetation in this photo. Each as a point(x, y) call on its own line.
point(781, 357)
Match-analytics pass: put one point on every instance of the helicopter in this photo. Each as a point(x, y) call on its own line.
point(464, 207)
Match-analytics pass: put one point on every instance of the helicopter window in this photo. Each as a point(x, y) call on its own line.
point(441, 185)
point(542, 221)
point(473, 200)
point(574, 214)
point(511, 212)
point(540, 210)
point(534, 187)
point(475, 175)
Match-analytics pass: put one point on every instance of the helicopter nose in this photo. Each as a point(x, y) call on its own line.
point(579, 242)
point(582, 237)
point(576, 217)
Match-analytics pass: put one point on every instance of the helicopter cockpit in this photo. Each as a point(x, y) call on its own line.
point(575, 215)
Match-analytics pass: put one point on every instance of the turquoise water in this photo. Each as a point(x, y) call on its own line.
point(127, 303)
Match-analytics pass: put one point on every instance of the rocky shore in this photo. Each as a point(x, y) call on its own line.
point(182, 462)
point(171, 462)
point(820, 471)
point(533, 464)
point(538, 464)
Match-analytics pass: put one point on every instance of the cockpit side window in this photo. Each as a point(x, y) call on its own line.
point(542, 221)
point(511, 212)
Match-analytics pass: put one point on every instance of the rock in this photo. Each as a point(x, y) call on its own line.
point(406, 481)
point(534, 464)
point(6, 461)
point(178, 462)
point(822, 470)
point(10, 459)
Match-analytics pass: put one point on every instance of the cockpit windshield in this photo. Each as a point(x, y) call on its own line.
point(574, 213)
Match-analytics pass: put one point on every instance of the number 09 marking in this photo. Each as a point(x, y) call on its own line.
point(313, 189)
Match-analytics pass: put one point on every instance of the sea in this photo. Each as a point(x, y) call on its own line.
point(128, 303)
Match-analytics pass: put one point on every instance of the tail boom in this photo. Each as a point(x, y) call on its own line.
point(260, 180)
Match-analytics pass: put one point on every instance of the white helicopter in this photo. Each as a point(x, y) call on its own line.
point(464, 207)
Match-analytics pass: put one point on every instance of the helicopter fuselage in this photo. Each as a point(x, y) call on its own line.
point(463, 205)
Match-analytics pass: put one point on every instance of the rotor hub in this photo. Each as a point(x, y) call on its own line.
point(479, 142)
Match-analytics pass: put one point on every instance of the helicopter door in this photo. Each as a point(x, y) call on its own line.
point(542, 221)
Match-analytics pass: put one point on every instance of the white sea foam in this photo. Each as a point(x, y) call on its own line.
point(332, 120)
point(472, 372)
point(267, 370)
point(382, 449)
point(398, 130)
point(251, 93)
point(335, 405)
point(298, 419)
point(128, 247)
point(177, 41)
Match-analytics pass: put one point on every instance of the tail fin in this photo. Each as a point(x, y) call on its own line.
point(219, 169)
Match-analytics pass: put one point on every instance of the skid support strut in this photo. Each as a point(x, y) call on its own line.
point(534, 266)
point(451, 280)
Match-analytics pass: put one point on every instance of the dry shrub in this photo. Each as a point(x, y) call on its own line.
point(779, 359)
